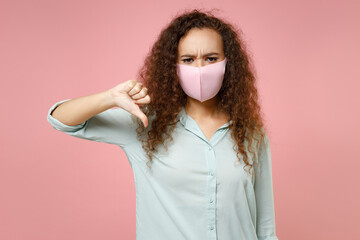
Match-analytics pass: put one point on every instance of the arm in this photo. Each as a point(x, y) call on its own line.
point(79, 110)
point(113, 126)
point(265, 214)
point(91, 117)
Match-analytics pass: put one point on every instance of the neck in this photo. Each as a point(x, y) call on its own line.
point(202, 110)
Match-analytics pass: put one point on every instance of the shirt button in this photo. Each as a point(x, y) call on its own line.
point(211, 200)
point(212, 228)
point(211, 173)
point(210, 148)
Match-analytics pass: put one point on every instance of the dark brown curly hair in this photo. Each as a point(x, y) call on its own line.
point(238, 95)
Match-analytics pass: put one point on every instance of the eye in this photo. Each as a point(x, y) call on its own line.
point(213, 58)
point(185, 60)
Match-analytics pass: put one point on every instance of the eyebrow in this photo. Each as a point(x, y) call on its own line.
point(208, 54)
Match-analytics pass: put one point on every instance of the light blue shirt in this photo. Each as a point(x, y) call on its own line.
point(197, 190)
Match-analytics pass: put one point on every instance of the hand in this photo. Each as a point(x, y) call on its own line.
point(128, 96)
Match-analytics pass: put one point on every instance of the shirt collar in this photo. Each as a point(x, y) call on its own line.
point(184, 118)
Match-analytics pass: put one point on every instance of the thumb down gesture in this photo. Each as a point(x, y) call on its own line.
point(128, 96)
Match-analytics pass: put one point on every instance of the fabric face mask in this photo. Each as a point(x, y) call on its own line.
point(202, 83)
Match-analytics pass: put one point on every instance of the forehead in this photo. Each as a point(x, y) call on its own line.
point(196, 40)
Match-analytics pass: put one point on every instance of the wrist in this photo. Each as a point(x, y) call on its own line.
point(108, 100)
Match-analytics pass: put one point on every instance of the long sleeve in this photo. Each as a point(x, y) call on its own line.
point(263, 186)
point(113, 126)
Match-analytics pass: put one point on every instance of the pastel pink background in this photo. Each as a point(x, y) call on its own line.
point(54, 186)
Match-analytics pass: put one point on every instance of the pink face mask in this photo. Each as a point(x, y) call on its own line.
point(202, 83)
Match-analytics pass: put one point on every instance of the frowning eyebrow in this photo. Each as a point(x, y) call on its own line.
point(208, 54)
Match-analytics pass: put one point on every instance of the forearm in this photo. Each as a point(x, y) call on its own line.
point(78, 110)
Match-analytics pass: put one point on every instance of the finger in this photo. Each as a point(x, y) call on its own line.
point(140, 94)
point(129, 85)
point(135, 89)
point(144, 100)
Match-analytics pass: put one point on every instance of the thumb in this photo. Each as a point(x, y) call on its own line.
point(139, 114)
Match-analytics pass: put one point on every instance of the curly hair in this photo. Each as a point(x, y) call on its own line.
point(238, 94)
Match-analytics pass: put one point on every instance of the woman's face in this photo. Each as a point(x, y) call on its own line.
point(200, 47)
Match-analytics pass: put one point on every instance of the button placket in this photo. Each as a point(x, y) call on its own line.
point(211, 208)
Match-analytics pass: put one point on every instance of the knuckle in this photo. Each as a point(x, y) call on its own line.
point(131, 83)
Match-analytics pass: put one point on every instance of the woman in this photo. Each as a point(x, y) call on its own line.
point(192, 132)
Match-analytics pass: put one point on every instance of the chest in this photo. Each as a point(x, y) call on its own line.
point(210, 127)
point(189, 163)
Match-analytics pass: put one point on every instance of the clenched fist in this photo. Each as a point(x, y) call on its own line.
point(128, 96)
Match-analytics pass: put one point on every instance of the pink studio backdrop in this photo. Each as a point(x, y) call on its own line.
point(54, 186)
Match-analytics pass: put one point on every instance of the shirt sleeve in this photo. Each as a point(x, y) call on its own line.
point(263, 186)
point(113, 126)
